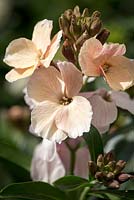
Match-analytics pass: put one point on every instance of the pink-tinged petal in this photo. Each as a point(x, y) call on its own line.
point(21, 53)
point(59, 136)
point(30, 102)
point(51, 50)
point(16, 74)
point(42, 119)
point(72, 78)
point(123, 101)
point(81, 168)
point(87, 57)
point(41, 34)
point(120, 73)
point(46, 163)
point(104, 112)
point(75, 118)
point(113, 49)
point(103, 129)
point(45, 84)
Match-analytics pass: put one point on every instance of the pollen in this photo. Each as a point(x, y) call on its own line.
point(65, 100)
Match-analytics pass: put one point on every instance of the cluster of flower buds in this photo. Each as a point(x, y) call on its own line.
point(108, 171)
point(77, 28)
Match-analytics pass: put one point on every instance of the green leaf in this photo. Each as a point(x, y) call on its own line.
point(32, 190)
point(94, 142)
point(113, 194)
point(69, 183)
point(14, 155)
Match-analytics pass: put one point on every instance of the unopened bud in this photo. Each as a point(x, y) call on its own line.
point(99, 176)
point(119, 166)
point(110, 176)
point(85, 12)
point(113, 184)
point(103, 35)
point(111, 165)
point(76, 11)
point(92, 168)
point(95, 27)
point(68, 51)
point(82, 39)
point(96, 14)
point(100, 161)
point(124, 177)
point(108, 157)
point(68, 13)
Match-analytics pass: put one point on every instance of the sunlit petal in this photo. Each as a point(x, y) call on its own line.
point(41, 34)
point(15, 74)
point(120, 73)
point(21, 53)
point(45, 84)
point(51, 50)
point(72, 78)
point(88, 53)
point(75, 118)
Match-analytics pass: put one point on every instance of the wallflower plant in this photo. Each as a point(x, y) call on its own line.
point(70, 118)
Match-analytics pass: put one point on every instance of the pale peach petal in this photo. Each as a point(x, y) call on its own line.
point(75, 118)
point(16, 74)
point(21, 53)
point(123, 101)
point(88, 53)
point(103, 129)
point(45, 84)
point(46, 164)
point(120, 74)
point(81, 168)
point(113, 49)
point(104, 112)
point(51, 50)
point(41, 34)
point(42, 119)
point(30, 102)
point(72, 78)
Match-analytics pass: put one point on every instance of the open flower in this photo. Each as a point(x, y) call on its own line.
point(107, 60)
point(46, 164)
point(60, 112)
point(104, 104)
point(26, 55)
point(50, 161)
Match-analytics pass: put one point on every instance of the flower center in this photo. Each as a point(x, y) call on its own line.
point(106, 68)
point(65, 100)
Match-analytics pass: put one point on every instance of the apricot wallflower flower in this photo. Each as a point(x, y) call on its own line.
point(60, 112)
point(26, 55)
point(104, 105)
point(51, 161)
point(107, 60)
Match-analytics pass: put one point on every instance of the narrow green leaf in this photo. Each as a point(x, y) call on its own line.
point(113, 194)
point(94, 142)
point(32, 190)
point(69, 183)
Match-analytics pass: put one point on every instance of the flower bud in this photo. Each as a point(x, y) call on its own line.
point(92, 167)
point(95, 26)
point(103, 35)
point(119, 166)
point(113, 184)
point(85, 12)
point(67, 51)
point(100, 161)
point(123, 177)
point(76, 11)
point(110, 176)
point(99, 176)
point(111, 165)
point(108, 157)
